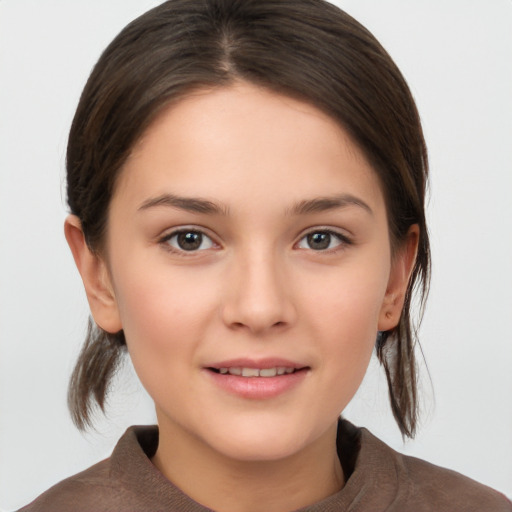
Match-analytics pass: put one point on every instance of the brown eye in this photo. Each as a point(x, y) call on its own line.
point(319, 241)
point(189, 241)
point(322, 240)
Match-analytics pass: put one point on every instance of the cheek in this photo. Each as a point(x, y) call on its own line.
point(163, 318)
point(344, 319)
point(349, 300)
point(350, 328)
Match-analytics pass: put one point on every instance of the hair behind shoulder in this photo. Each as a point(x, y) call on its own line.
point(308, 49)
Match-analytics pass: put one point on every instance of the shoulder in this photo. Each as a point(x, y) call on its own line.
point(448, 488)
point(79, 492)
point(422, 486)
point(108, 486)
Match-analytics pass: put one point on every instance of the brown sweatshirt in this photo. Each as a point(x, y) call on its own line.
point(379, 480)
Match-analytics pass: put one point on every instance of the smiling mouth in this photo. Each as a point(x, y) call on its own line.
point(256, 372)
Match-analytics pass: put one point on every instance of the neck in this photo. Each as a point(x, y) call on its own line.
point(230, 485)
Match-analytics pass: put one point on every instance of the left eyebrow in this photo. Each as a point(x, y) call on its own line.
point(191, 204)
point(322, 204)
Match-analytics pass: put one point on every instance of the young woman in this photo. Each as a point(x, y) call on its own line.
point(246, 182)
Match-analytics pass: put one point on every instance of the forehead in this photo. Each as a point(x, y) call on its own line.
point(242, 142)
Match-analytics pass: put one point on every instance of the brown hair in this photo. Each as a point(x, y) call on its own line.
point(309, 49)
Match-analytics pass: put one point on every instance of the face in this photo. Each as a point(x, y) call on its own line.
point(249, 265)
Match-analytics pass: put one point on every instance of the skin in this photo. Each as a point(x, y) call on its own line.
point(255, 288)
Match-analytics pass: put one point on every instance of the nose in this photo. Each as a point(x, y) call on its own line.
point(259, 298)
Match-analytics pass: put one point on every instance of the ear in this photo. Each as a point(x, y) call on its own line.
point(95, 276)
point(401, 269)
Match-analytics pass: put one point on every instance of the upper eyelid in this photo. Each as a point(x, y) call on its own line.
point(170, 232)
point(342, 233)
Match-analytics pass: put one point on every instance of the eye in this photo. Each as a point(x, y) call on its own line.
point(322, 240)
point(188, 240)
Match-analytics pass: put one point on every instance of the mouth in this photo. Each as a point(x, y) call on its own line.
point(250, 372)
point(257, 379)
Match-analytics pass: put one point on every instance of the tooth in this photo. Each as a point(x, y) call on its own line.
point(250, 372)
point(256, 372)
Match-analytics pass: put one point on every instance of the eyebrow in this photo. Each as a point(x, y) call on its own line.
point(322, 204)
point(191, 204)
point(205, 206)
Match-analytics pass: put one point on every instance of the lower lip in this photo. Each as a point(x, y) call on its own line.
point(258, 388)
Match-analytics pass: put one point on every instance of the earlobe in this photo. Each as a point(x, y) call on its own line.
point(95, 276)
point(401, 270)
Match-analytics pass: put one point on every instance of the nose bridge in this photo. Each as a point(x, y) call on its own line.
point(258, 298)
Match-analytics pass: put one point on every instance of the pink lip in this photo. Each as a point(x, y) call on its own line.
point(257, 388)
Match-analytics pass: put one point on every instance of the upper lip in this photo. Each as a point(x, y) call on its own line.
point(269, 362)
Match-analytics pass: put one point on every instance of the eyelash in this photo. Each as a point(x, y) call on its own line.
point(165, 241)
point(343, 241)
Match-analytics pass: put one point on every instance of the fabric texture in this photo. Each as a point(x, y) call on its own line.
point(379, 480)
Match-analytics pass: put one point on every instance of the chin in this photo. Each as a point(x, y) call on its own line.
point(260, 449)
point(260, 439)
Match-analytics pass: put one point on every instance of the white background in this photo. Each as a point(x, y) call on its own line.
point(457, 58)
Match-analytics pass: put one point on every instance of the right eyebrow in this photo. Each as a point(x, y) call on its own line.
point(191, 204)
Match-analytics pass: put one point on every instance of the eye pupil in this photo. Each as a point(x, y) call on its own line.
point(319, 241)
point(189, 240)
